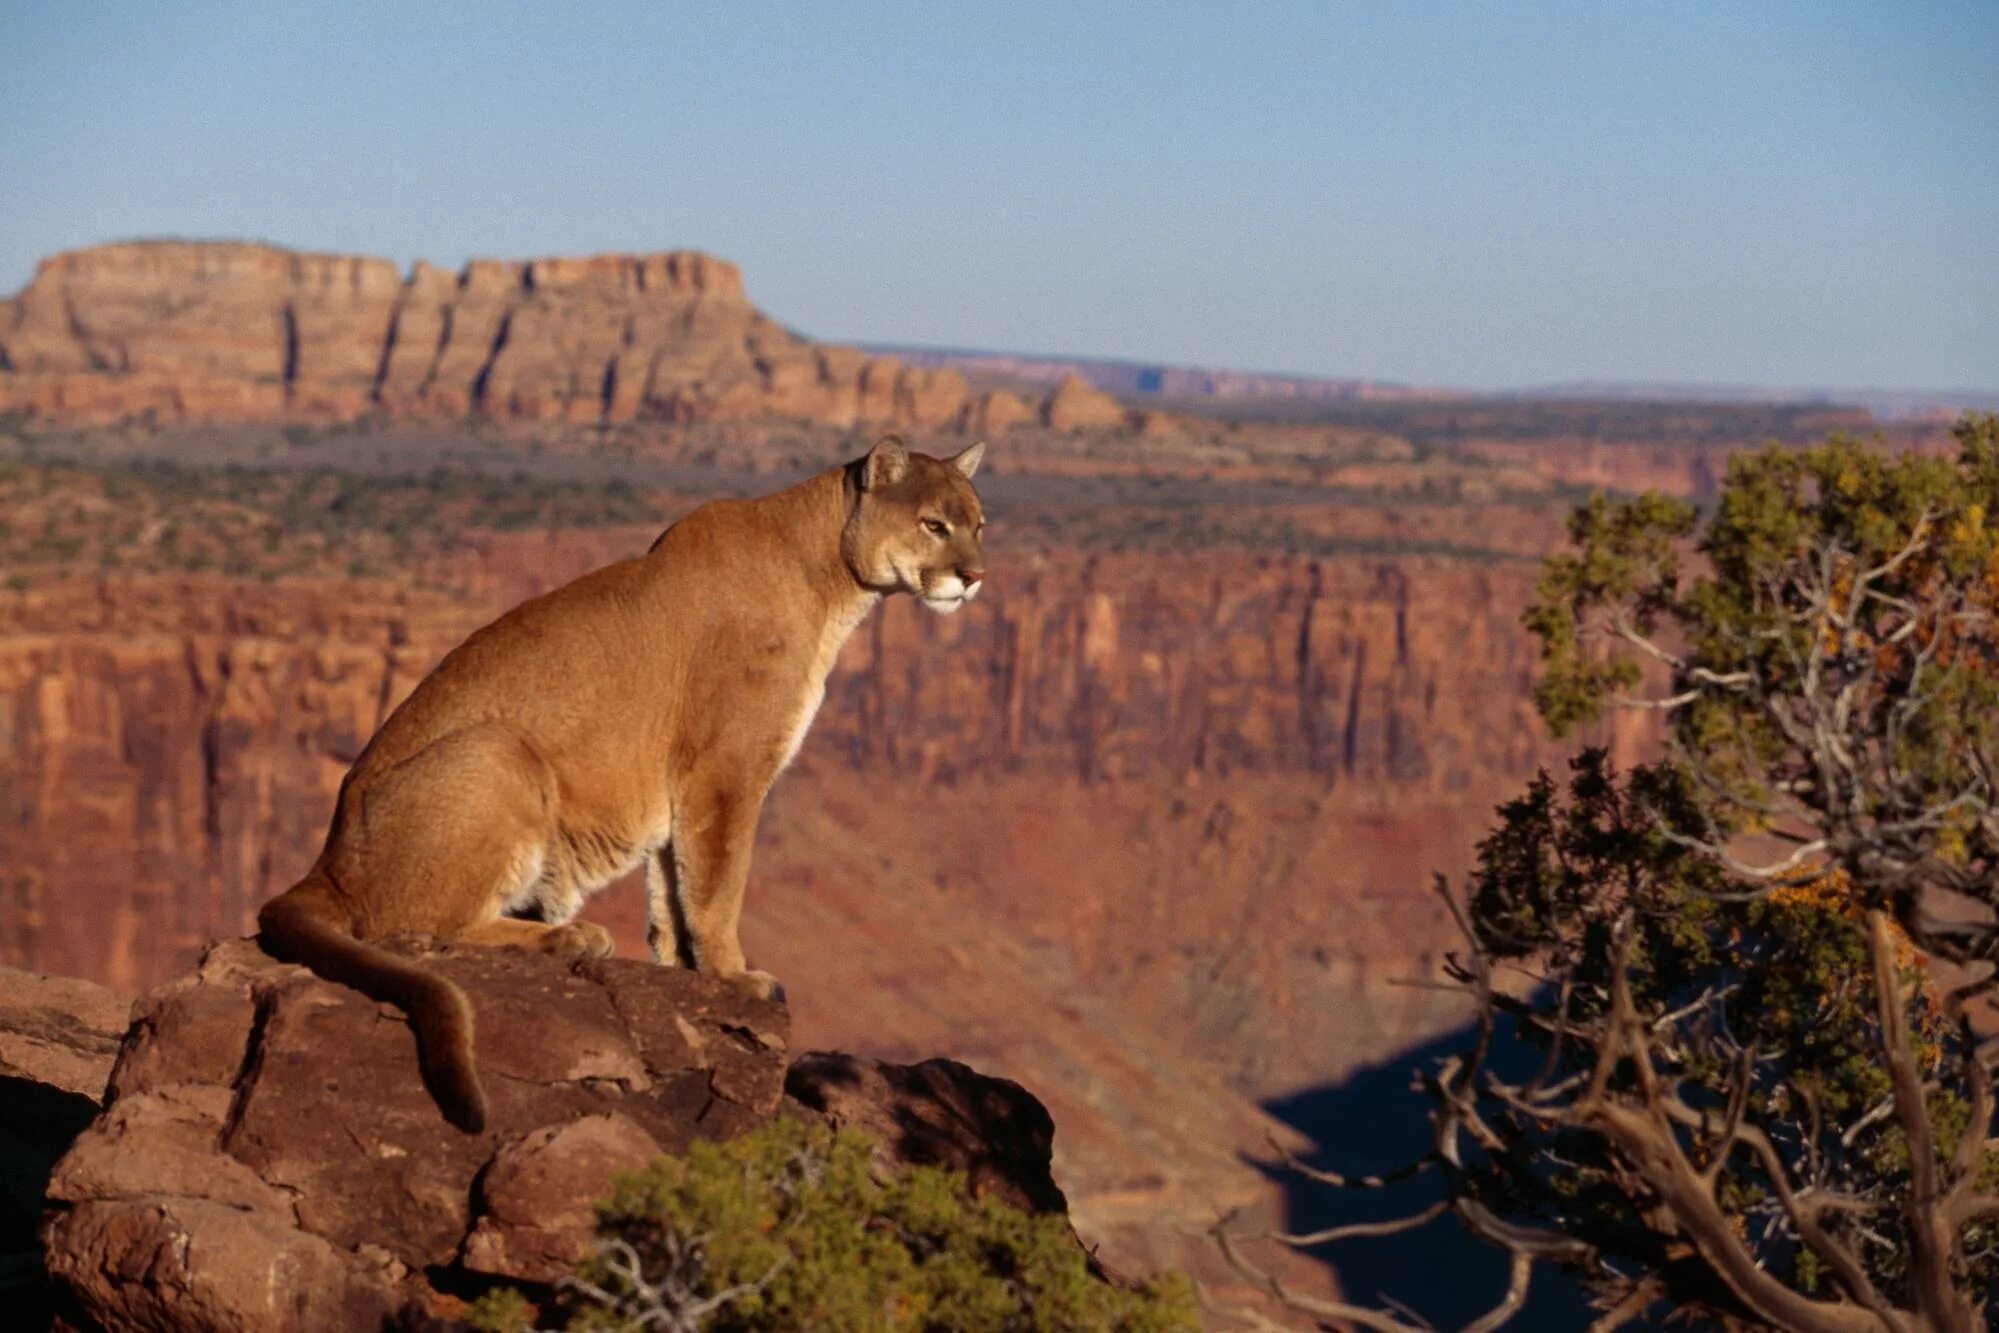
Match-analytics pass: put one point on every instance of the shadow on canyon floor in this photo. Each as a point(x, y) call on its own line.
point(1371, 1123)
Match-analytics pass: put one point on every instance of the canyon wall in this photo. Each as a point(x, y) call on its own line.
point(1214, 784)
point(221, 331)
point(1149, 833)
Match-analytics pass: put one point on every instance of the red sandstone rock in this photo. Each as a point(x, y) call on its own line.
point(1075, 405)
point(59, 1032)
point(997, 411)
point(938, 1113)
point(184, 735)
point(537, 1199)
point(271, 1161)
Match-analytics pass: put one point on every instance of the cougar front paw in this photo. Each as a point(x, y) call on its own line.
point(761, 985)
point(579, 939)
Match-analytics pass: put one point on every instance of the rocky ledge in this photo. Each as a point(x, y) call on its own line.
point(267, 1157)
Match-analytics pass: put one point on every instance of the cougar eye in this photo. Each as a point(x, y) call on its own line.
point(935, 528)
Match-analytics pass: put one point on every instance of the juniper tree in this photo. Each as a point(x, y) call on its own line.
point(1753, 973)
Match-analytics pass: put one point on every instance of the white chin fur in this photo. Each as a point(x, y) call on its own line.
point(944, 606)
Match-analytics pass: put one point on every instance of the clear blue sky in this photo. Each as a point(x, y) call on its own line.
point(1478, 194)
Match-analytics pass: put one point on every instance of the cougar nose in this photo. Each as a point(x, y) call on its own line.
point(971, 577)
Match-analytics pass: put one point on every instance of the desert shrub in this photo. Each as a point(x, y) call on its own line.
point(788, 1227)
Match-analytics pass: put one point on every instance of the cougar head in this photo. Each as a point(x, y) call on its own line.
point(917, 524)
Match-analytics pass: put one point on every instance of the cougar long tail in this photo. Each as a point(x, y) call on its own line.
point(305, 924)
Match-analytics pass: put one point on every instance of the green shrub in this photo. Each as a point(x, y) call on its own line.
point(788, 1228)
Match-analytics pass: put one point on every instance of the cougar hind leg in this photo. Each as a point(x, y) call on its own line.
point(572, 939)
point(447, 839)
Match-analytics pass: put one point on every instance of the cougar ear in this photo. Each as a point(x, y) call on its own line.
point(886, 462)
point(967, 460)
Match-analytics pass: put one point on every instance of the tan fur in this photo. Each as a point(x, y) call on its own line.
point(636, 716)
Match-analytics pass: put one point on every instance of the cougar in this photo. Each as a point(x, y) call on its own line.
point(636, 716)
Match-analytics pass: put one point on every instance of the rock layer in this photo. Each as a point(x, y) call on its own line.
point(192, 331)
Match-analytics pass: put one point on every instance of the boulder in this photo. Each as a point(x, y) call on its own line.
point(938, 1113)
point(536, 1199)
point(270, 1156)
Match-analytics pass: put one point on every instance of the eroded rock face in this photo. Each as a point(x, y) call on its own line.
point(204, 331)
point(270, 1154)
point(269, 1159)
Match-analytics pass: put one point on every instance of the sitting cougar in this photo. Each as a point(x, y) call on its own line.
point(637, 715)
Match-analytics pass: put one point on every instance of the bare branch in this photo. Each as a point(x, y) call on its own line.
point(1272, 1286)
point(1971, 1141)
point(1292, 1162)
point(1516, 1296)
point(1642, 1296)
point(1798, 867)
point(1357, 1230)
point(1933, 1244)
point(1624, 630)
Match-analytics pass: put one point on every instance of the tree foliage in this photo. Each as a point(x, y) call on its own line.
point(1749, 974)
point(1832, 672)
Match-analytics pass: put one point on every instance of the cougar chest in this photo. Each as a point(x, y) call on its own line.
point(833, 636)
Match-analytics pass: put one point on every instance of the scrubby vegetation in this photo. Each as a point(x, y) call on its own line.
point(159, 516)
point(789, 1227)
point(150, 515)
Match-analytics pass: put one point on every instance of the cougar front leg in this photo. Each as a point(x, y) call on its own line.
point(708, 867)
point(666, 923)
